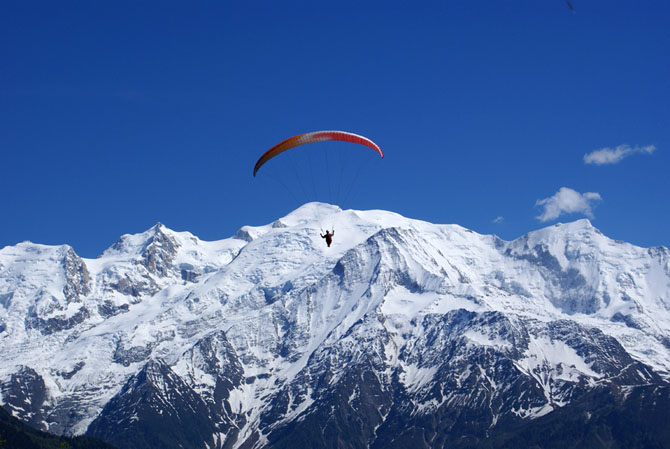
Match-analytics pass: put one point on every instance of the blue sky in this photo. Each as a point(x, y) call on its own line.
point(117, 115)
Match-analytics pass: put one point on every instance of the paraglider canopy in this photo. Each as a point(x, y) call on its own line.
point(316, 136)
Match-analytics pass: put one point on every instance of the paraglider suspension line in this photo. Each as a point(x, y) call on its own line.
point(361, 166)
point(301, 182)
point(330, 192)
point(341, 179)
point(311, 170)
point(283, 184)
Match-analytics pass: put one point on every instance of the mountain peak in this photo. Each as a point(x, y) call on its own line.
point(133, 244)
point(29, 252)
point(158, 227)
point(582, 223)
point(581, 230)
point(309, 212)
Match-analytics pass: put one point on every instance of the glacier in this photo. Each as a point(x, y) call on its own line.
point(400, 325)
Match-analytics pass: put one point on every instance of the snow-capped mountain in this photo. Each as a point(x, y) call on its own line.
point(401, 334)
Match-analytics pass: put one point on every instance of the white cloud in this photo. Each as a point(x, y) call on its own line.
point(612, 156)
point(498, 219)
point(567, 201)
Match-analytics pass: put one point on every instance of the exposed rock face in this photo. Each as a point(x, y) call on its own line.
point(170, 410)
point(401, 334)
point(24, 395)
point(76, 277)
point(159, 254)
point(155, 408)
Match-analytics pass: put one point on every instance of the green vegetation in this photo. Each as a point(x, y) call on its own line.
point(14, 435)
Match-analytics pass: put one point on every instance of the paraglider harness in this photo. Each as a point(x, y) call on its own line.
point(328, 236)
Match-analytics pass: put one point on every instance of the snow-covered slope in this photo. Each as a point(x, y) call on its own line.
point(270, 331)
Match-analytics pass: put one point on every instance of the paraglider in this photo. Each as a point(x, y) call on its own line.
point(319, 136)
point(316, 136)
point(328, 236)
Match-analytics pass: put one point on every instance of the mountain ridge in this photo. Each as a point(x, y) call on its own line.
point(266, 330)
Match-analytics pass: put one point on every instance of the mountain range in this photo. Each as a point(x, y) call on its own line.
point(401, 334)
